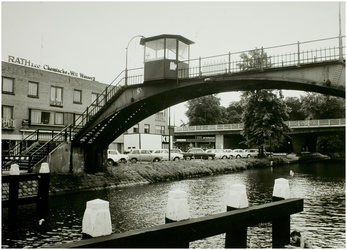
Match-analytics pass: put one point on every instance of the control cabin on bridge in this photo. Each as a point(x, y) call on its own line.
point(166, 57)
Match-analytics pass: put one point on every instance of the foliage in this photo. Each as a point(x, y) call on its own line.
point(330, 144)
point(319, 106)
point(234, 112)
point(255, 59)
point(263, 117)
point(204, 110)
point(295, 112)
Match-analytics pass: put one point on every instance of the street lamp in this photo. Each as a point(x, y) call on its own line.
point(126, 59)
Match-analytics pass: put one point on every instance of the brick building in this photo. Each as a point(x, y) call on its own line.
point(35, 97)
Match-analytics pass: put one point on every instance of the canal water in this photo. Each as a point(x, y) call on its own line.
point(322, 185)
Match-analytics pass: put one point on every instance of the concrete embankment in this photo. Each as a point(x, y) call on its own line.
point(145, 173)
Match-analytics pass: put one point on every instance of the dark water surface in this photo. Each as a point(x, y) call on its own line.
point(322, 185)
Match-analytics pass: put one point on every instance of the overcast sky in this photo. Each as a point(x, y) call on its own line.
point(91, 37)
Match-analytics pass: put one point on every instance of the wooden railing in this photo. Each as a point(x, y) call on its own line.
point(179, 234)
point(11, 199)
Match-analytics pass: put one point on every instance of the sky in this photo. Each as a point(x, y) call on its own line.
point(92, 37)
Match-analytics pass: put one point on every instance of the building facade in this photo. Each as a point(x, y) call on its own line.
point(50, 99)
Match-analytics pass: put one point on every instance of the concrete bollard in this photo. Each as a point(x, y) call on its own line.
point(237, 197)
point(44, 168)
point(14, 170)
point(177, 208)
point(97, 218)
point(281, 190)
point(281, 225)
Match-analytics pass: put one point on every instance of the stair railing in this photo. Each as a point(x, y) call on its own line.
point(63, 136)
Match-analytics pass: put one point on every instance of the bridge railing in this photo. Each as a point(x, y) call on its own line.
point(294, 54)
point(239, 126)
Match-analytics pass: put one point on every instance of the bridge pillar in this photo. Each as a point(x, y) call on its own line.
point(94, 158)
point(219, 141)
point(304, 142)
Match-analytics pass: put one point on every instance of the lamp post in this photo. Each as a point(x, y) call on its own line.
point(126, 59)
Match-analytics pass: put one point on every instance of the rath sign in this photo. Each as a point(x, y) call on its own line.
point(25, 62)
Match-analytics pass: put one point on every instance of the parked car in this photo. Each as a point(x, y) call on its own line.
point(143, 155)
point(240, 153)
point(199, 153)
point(186, 155)
point(252, 152)
point(165, 153)
point(113, 156)
point(229, 152)
point(219, 153)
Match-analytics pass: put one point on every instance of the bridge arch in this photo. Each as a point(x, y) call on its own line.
point(132, 103)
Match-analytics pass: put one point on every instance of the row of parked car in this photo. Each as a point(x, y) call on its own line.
point(136, 155)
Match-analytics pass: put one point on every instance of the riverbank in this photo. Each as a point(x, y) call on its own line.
point(145, 173)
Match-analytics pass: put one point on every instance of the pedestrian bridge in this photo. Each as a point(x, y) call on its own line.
point(316, 66)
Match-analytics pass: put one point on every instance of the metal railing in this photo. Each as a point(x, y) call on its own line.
point(8, 123)
point(239, 126)
point(27, 153)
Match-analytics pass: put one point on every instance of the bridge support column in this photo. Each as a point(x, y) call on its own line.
point(95, 158)
point(302, 143)
point(219, 141)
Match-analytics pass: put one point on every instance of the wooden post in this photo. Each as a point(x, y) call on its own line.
point(177, 209)
point(237, 199)
point(281, 226)
point(13, 197)
point(97, 219)
point(43, 190)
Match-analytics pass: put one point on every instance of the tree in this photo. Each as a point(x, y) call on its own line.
point(319, 106)
point(263, 118)
point(234, 112)
point(255, 59)
point(204, 110)
point(295, 112)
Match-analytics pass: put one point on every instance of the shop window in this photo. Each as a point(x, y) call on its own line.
point(56, 96)
point(7, 85)
point(33, 90)
point(77, 96)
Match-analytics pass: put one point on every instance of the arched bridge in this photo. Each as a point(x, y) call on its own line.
point(316, 70)
point(128, 100)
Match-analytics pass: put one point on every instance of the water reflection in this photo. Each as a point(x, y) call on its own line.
point(322, 185)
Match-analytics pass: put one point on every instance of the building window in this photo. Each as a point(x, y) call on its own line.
point(59, 118)
point(136, 128)
point(7, 85)
point(56, 96)
point(160, 130)
point(7, 117)
point(146, 129)
point(46, 117)
point(160, 116)
point(33, 89)
point(77, 96)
